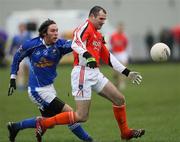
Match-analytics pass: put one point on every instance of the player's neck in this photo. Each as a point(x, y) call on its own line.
point(46, 43)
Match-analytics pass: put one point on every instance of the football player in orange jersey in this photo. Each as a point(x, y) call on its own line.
point(89, 47)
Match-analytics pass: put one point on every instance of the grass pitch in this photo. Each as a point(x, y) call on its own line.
point(153, 105)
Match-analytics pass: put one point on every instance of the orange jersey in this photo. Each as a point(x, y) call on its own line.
point(87, 38)
point(118, 42)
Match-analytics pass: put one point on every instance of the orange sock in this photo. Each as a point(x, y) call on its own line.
point(59, 119)
point(120, 115)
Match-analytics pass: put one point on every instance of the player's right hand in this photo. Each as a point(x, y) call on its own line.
point(90, 61)
point(12, 86)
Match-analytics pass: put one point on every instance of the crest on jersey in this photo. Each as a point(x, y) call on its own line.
point(96, 45)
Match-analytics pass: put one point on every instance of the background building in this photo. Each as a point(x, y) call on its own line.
point(139, 16)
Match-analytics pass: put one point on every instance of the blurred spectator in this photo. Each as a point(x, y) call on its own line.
point(31, 26)
point(119, 43)
point(176, 34)
point(3, 41)
point(167, 38)
point(17, 41)
point(149, 41)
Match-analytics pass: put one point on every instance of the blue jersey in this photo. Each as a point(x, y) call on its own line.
point(43, 60)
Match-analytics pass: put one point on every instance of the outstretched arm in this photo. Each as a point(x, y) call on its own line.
point(66, 46)
point(109, 59)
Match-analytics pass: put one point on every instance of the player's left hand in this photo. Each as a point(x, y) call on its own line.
point(135, 77)
point(91, 62)
point(12, 86)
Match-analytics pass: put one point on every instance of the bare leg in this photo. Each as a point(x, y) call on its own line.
point(82, 110)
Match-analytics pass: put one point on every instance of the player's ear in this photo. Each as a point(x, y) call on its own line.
point(91, 15)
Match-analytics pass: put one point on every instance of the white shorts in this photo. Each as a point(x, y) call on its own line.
point(84, 79)
point(122, 57)
point(42, 96)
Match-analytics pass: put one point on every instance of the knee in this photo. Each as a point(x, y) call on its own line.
point(67, 108)
point(120, 101)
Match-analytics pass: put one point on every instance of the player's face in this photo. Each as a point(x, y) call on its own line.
point(99, 20)
point(52, 34)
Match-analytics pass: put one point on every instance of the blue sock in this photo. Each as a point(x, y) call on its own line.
point(26, 123)
point(79, 132)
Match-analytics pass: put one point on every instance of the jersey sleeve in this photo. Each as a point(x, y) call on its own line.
point(81, 35)
point(109, 59)
point(66, 46)
point(20, 54)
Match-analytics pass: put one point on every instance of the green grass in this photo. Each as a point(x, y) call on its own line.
point(153, 105)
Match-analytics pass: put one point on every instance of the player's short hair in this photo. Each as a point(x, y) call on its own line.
point(44, 27)
point(95, 10)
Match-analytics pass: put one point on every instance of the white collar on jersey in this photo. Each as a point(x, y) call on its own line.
point(47, 46)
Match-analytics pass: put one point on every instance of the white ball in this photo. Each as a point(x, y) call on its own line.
point(160, 52)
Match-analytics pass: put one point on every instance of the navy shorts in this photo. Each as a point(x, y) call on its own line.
point(53, 108)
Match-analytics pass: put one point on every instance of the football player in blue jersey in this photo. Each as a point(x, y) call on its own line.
point(44, 52)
